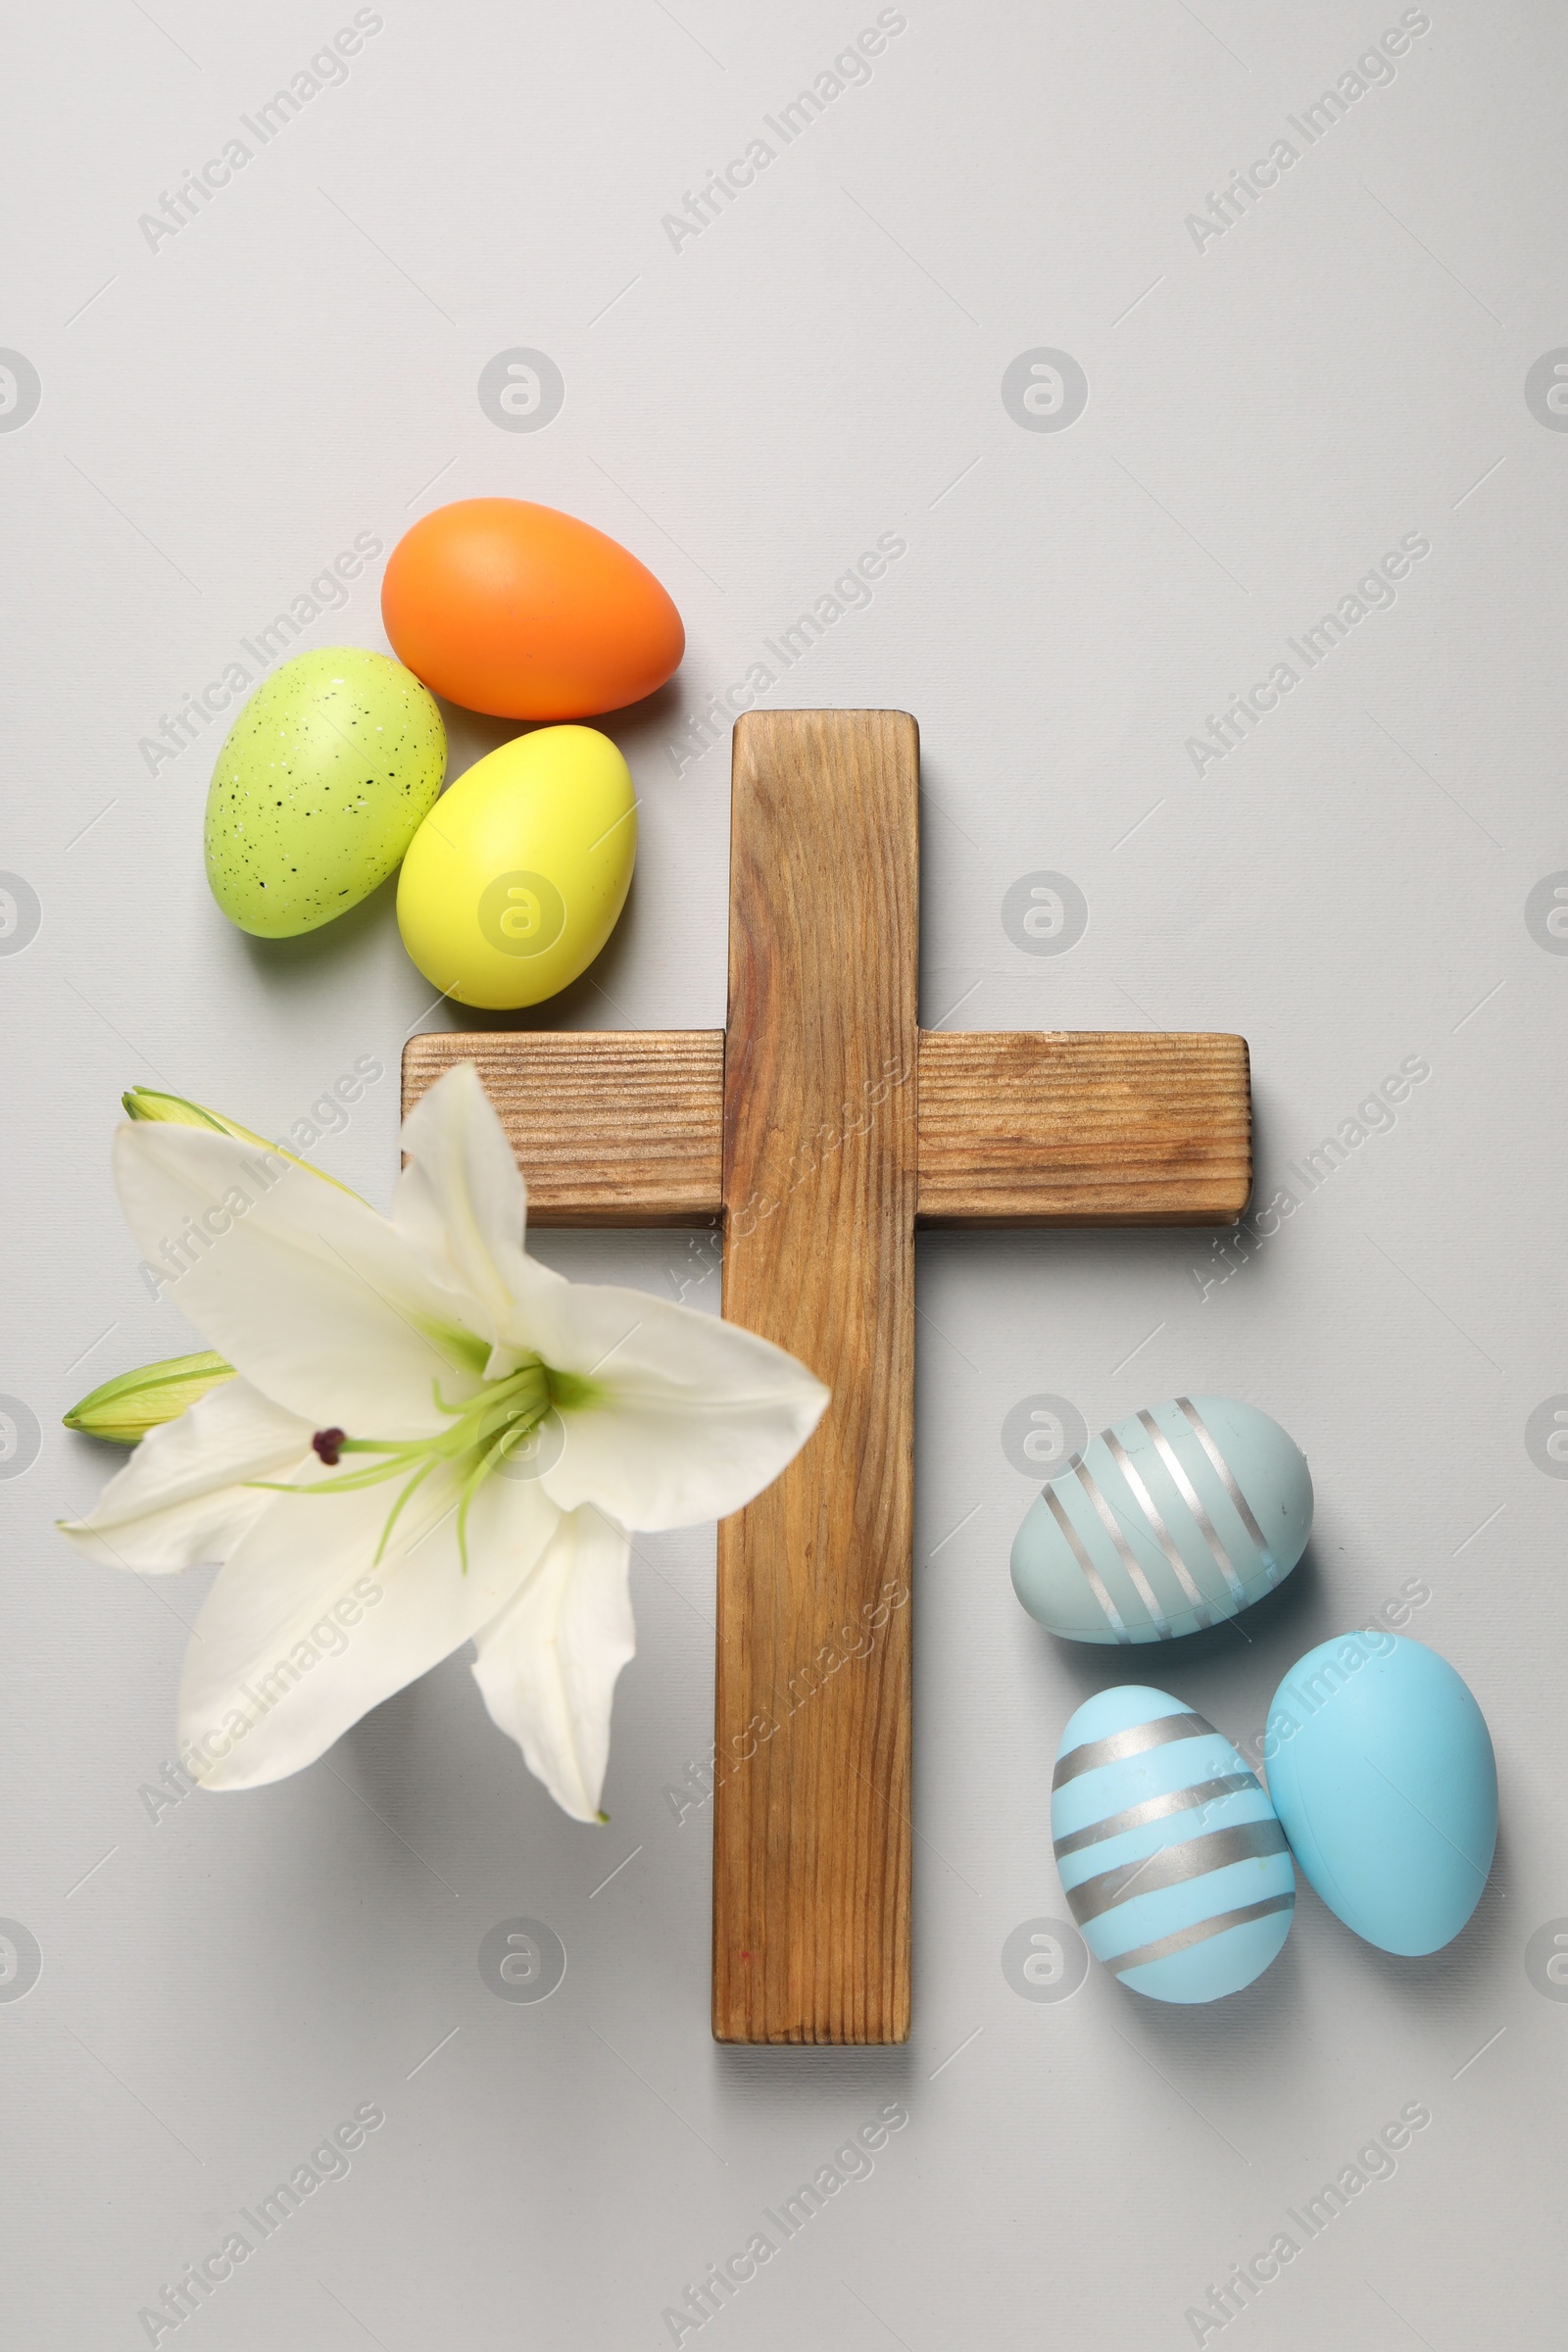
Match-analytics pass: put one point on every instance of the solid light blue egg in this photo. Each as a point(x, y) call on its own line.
point(1171, 1858)
point(1381, 1769)
point(1177, 1518)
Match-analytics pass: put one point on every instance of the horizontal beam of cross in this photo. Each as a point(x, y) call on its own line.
point(1025, 1127)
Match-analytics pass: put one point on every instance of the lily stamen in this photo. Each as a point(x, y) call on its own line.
point(487, 1427)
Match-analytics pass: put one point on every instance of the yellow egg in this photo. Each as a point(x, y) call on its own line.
point(515, 880)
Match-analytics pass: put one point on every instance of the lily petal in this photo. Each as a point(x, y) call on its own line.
point(461, 1203)
point(547, 1665)
point(685, 1417)
point(181, 1498)
point(304, 1632)
point(313, 1297)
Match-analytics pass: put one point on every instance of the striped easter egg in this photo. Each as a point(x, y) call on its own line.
point(1171, 1857)
point(1178, 1518)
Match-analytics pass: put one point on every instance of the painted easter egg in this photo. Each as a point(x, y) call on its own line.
point(324, 781)
point(1171, 1858)
point(515, 881)
point(507, 607)
point(1178, 1518)
point(1381, 1769)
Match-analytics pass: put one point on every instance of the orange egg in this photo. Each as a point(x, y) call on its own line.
point(521, 610)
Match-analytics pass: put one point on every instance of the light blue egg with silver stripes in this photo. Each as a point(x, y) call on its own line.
point(1172, 1859)
point(1178, 1518)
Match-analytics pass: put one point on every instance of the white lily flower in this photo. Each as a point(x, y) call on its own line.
point(430, 1439)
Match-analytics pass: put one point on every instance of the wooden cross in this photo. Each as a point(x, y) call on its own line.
point(822, 1126)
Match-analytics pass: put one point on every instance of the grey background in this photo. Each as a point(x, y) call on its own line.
point(1266, 415)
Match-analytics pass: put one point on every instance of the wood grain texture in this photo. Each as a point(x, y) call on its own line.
point(811, 1809)
point(1098, 1128)
point(1107, 1127)
point(611, 1127)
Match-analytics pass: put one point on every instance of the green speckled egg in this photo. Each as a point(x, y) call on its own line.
point(325, 777)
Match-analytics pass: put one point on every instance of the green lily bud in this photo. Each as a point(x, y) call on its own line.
point(145, 1103)
point(126, 1407)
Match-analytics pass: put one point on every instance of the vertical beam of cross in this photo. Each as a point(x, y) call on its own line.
point(811, 1827)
